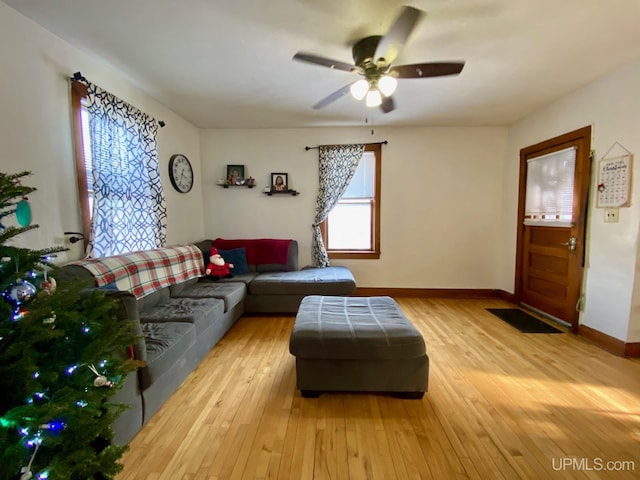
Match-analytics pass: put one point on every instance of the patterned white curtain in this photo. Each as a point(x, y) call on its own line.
point(338, 163)
point(129, 211)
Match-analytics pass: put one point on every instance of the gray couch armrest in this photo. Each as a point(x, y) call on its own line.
point(128, 310)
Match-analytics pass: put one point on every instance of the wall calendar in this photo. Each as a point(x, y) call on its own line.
point(614, 181)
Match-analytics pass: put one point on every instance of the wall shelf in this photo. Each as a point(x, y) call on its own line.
point(288, 192)
point(224, 185)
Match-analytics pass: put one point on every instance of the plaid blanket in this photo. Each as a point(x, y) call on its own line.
point(146, 271)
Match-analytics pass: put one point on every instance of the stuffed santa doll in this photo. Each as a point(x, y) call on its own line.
point(217, 267)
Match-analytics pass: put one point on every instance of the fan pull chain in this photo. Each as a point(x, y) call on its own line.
point(366, 121)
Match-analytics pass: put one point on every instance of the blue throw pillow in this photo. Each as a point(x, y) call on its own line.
point(237, 256)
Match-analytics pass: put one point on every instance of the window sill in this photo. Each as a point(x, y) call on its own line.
point(354, 254)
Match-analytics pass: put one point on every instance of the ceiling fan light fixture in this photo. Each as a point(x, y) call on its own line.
point(387, 85)
point(373, 57)
point(359, 89)
point(374, 98)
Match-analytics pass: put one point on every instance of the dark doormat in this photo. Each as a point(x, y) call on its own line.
point(522, 320)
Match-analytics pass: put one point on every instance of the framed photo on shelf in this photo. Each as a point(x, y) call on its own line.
point(235, 174)
point(279, 182)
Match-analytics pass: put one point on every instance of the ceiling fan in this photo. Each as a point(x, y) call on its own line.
point(373, 58)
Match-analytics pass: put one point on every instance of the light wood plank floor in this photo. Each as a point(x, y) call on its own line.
point(501, 406)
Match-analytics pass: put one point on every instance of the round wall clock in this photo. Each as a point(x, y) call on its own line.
point(180, 173)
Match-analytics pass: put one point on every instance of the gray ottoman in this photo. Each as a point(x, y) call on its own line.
point(357, 344)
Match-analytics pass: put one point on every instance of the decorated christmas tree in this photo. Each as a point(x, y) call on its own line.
point(63, 355)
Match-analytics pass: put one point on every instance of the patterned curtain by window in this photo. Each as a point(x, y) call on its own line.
point(338, 163)
point(129, 211)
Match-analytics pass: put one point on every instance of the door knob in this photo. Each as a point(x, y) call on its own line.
point(571, 244)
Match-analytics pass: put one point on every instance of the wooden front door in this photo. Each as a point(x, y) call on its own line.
point(550, 259)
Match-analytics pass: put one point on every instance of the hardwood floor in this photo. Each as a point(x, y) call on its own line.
point(501, 405)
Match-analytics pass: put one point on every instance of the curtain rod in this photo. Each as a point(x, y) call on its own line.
point(78, 77)
point(369, 143)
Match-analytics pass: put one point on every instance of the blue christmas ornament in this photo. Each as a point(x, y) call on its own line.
point(54, 426)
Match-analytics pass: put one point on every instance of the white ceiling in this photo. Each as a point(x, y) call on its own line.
point(227, 63)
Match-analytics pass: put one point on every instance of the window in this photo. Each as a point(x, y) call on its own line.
point(549, 191)
point(352, 229)
point(120, 194)
point(86, 142)
point(82, 152)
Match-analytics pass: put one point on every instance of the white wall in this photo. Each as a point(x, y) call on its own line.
point(441, 198)
point(35, 132)
point(612, 106)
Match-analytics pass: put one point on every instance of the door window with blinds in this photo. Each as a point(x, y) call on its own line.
point(549, 189)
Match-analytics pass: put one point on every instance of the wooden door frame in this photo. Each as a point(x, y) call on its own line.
point(583, 137)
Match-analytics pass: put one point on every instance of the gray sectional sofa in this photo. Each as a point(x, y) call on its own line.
point(180, 323)
point(279, 288)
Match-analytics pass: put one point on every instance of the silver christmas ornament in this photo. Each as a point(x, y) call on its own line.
point(19, 293)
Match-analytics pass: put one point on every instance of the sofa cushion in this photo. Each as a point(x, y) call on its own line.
point(166, 343)
point(205, 248)
point(247, 278)
point(290, 266)
point(232, 293)
point(155, 298)
point(310, 281)
point(237, 257)
point(264, 253)
point(201, 312)
point(179, 287)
